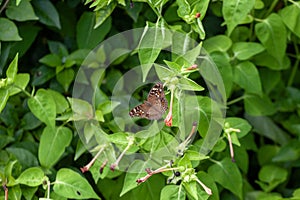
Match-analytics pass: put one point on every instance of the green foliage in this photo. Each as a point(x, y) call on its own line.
point(50, 49)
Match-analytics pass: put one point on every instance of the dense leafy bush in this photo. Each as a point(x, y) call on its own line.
point(72, 70)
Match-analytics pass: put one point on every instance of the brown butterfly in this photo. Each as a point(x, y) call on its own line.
point(155, 105)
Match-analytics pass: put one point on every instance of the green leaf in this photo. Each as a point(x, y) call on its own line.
point(271, 176)
point(42, 75)
point(8, 31)
point(288, 152)
point(163, 72)
point(89, 37)
point(5, 140)
point(15, 193)
point(60, 101)
point(191, 189)
point(227, 174)
point(240, 34)
point(71, 185)
point(42, 105)
point(30, 122)
point(235, 11)
point(135, 11)
point(173, 192)
point(12, 70)
point(272, 34)
point(266, 153)
point(21, 12)
point(79, 55)
point(247, 77)
point(239, 123)
point(137, 166)
point(32, 177)
point(267, 128)
point(290, 16)
point(46, 13)
point(245, 50)
point(269, 79)
point(29, 192)
point(150, 46)
point(52, 144)
point(82, 110)
point(209, 182)
point(241, 158)
point(222, 61)
point(58, 48)
point(51, 60)
point(189, 57)
point(195, 155)
point(266, 60)
point(257, 106)
point(189, 84)
point(24, 156)
point(65, 78)
point(183, 8)
point(217, 43)
point(20, 84)
point(103, 14)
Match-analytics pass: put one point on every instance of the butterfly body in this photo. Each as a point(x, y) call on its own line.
point(155, 105)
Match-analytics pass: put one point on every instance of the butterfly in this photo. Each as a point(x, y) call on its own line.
point(155, 105)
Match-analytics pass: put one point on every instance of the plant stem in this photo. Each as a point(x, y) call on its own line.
point(271, 7)
point(235, 100)
point(295, 67)
point(4, 6)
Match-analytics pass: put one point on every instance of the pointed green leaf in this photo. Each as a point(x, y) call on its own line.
point(235, 11)
point(15, 193)
point(12, 70)
point(271, 176)
point(257, 106)
point(103, 14)
point(8, 30)
point(65, 78)
point(191, 189)
point(290, 16)
point(82, 110)
point(266, 60)
point(60, 101)
point(32, 177)
point(245, 50)
point(42, 105)
point(247, 77)
point(52, 60)
point(52, 144)
point(217, 43)
point(137, 166)
point(71, 185)
point(173, 192)
point(267, 128)
point(150, 46)
point(89, 37)
point(20, 84)
point(227, 174)
point(46, 13)
point(21, 12)
point(272, 34)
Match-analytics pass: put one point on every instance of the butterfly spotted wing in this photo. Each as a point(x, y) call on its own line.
point(155, 105)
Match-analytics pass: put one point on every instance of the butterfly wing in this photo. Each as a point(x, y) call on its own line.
point(155, 106)
point(140, 110)
point(159, 103)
